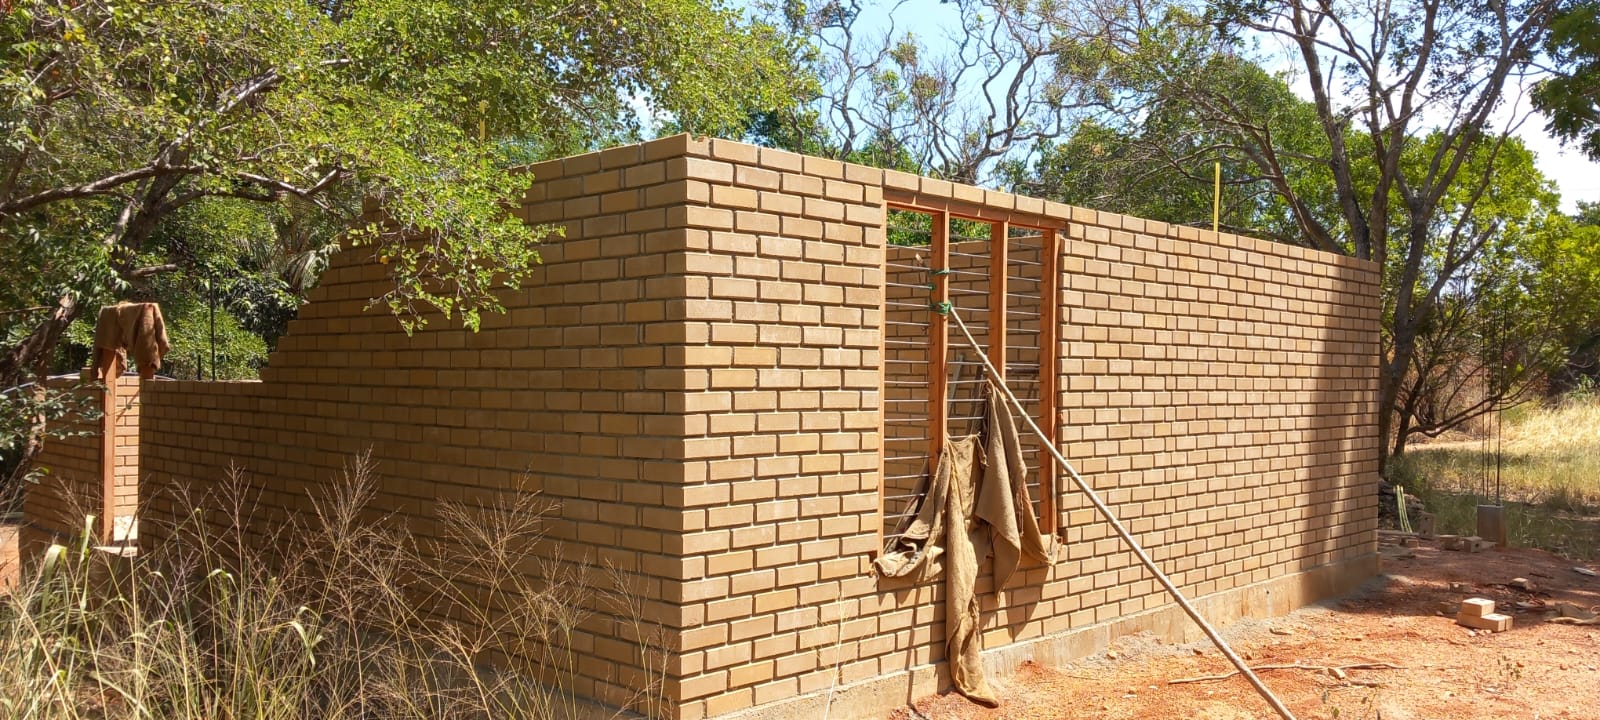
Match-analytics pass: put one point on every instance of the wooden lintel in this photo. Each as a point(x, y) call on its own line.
point(931, 204)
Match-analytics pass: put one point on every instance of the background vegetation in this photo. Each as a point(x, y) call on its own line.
point(187, 151)
point(1547, 461)
point(333, 616)
point(1396, 143)
point(212, 156)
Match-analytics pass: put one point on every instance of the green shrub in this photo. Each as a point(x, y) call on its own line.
point(1549, 469)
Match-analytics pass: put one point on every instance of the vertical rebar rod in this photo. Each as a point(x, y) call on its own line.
point(211, 288)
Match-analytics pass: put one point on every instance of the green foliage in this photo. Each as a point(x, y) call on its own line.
point(1507, 295)
point(1489, 339)
point(1570, 97)
point(1182, 100)
point(239, 353)
point(909, 228)
point(1565, 261)
point(137, 137)
point(1392, 158)
point(23, 409)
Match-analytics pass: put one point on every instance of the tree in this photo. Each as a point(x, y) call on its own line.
point(1158, 162)
point(1381, 78)
point(1497, 331)
point(1566, 259)
point(953, 107)
point(120, 118)
point(1570, 96)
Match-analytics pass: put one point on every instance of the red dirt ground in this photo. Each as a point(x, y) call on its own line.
point(8, 556)
point(1536, 670)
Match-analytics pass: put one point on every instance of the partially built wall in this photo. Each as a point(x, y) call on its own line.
point(90, 468)
point(732, 372)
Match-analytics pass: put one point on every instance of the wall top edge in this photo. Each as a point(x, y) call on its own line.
point(907, 189)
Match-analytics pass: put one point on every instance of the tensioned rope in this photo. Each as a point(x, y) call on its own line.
point(1116, 524)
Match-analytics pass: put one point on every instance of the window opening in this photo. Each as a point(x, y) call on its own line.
point(995, 274)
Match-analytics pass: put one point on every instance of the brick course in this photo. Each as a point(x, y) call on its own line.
point(73, 486)
point(695, 377)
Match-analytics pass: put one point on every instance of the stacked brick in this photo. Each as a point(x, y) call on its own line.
point(125, 463)
point(578, 392)
point(74, 486)
point(1218, 390)
point(696, 378)
point(781, 476)
point(1222, 391)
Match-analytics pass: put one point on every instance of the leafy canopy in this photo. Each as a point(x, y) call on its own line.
point(116, 115)
point(147, 146)
point(1570, 97)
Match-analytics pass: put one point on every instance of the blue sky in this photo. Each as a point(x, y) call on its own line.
point(1575, 176)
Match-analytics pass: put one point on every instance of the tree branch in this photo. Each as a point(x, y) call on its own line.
point(145, 272)
point(306, 193)
point(104, 186)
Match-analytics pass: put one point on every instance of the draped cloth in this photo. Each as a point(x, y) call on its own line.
point(966, 511)
point(129, 329)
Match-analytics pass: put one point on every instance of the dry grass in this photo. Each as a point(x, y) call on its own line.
point(1549, 469)
point(329, 624)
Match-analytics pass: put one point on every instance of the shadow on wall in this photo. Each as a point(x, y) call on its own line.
point(1346, 378)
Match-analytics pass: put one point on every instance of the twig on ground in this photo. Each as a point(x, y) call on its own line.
point(1334, 670)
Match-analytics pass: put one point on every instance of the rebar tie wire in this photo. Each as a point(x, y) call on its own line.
point(1122, 532)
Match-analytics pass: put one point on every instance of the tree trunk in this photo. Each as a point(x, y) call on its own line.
point(1401, 434)
point(1391, 373)
point(30, 359)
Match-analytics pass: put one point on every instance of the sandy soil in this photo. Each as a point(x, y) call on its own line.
point(8, 556)
point(1536, 670)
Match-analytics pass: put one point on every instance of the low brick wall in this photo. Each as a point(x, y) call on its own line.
point(695, 377)
point(73, 484)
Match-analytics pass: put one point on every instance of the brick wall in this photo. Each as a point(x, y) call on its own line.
point(73, 485)
point(695, 377)
point(1217, 390)
point(577, 392)
point(784, 459)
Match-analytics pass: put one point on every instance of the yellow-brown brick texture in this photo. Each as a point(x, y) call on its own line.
point(72, 485)
point(1218, 390)
point(576, 392)
point(695, 377)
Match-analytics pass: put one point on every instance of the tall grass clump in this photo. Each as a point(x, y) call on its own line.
point(341, 614)
point(1549, 470)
